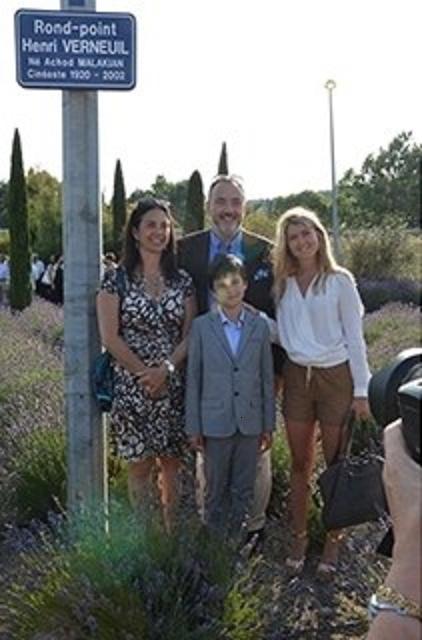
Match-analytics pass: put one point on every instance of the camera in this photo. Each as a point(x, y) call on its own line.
point(396, 392)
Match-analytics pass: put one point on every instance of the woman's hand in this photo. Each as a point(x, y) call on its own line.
point(360, 407)
point(266, 440)
point(153, 379)
point(197, 443)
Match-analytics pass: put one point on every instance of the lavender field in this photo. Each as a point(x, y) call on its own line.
point(138, 583)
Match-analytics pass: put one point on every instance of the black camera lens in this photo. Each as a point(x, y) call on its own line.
point(410, 400)
point(384, 384)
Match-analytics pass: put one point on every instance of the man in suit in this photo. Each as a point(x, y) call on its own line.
point(196, 251)
point(230, 409)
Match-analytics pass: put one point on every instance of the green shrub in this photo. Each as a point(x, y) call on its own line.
point(378, 252)
point(280, 462)
point(135, 582)
point(4, 241)
point(38, 474)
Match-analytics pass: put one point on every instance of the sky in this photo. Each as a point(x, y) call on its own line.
point(248, 72)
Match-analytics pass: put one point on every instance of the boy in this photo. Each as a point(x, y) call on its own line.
point(230, 408)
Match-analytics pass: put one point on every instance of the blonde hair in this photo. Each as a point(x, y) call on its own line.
point(285, 264)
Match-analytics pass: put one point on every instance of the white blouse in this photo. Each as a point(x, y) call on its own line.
point(323, 328)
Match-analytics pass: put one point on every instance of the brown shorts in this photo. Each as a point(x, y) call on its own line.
point(316, 393)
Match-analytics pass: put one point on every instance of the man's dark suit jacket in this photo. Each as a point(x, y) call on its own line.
point(193, 252)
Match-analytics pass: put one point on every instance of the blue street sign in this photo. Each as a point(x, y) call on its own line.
point(75, 50)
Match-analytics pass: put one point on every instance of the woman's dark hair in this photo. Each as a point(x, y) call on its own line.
point(131, 256)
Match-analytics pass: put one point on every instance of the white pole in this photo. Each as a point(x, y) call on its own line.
point(82, 250)
point(330, 85)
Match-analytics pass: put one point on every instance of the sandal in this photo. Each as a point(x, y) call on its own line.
point(328, 569)
point(295, 565)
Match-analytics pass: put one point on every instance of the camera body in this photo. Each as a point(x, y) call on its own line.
point(410, 400)
point(396, 391)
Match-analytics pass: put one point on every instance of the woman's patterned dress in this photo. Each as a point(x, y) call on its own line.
point(142, 426)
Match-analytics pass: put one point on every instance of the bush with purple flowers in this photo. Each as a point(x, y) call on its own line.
point(377, 293)
point(389, 330)
point(135, 581)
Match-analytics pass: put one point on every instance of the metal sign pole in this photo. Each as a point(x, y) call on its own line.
point(82, 251)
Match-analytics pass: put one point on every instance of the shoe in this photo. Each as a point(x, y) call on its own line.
point(295, 565)
point(255, 540)
point(326, 569)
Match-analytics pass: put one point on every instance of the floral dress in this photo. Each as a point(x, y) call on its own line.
point(142, 426)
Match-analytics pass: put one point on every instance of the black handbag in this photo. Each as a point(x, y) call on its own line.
point(351, 488)
point(102, 368)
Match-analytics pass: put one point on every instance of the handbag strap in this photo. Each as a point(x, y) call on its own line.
point(346, 436)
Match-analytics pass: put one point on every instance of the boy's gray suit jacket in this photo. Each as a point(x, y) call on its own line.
point(226, 393)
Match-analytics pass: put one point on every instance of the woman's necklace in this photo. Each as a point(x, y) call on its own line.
point(154, 284)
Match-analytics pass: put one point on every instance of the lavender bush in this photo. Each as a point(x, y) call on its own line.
point(32, 438)
point(376, 293)
point(390, 330)
point(134, 582)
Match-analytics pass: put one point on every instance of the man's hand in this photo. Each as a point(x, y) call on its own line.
point(266, 441)
point(197, 443)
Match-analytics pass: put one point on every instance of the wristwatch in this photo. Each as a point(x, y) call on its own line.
point(170, 366)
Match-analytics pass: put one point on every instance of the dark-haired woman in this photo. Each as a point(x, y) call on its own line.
point(145, 309)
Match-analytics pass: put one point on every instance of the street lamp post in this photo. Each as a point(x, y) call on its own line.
point(330, 85)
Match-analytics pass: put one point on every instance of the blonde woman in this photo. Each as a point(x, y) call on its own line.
point(319, 324)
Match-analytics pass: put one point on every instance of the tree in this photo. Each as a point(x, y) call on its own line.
point(3, 204)
point(20, 262)
point(44, 213)
point(387, 185)
point(195, 213)
point(174, 192)
point(258, 221)
point(317, 201)
point(118, 207)
point(223, 164)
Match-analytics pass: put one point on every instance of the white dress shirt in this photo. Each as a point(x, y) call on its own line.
point(323, 328)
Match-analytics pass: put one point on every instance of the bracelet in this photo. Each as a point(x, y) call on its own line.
point(169, 366)
point(407, 606)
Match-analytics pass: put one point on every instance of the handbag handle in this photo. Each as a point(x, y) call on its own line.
point(346, 435)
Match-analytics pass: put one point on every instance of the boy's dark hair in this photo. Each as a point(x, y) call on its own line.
point(224, 265)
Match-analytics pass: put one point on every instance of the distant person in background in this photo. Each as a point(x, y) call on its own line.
point(396, 608)
point(109, 261)
point(196, 251)
point(4, 279)
point(58, 281)
point(37, 270)
point(47, 279)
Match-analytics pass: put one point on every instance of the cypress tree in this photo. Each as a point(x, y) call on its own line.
point(195, 213)
point(20, 292)
point(118, 208)
point(223, 165)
